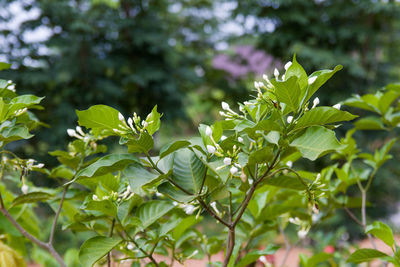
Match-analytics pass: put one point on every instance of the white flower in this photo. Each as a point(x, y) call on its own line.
point(79, 130)
point(11, 87)
point(130, 123)
point(121, 117)
point(276, 73)
point(208, 131)
point(302, 233)
point(25, 189)
point(263, 259)
point(318, 177)
point(145, 124)
point(225, 106)
point(315, 102)
point(227, 161)
point(40, 165)
point(95, 197)
point(256, 85)
point(175, 203)
point(289, 119)
point(233, 170)
point(222, 113)
point(311, 80)
point(288, 64)
point(159, 194)
point(240, 139)
point(130, 246)
point(261, 84)
point(210, 149)
point(71, 132)
point(265, 77)
point(289, 164)
point(223, 138)
point(283, 77)
point(9, 82)
point(337, 106)
point(214, 206)
point(189, 209)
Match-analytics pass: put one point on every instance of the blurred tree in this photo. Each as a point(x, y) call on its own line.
point(131, 54)
point(357, 34)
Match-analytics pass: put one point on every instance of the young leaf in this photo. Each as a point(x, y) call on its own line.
point(315, 142)
point(105, 206)
point(369, 123)
point(381, 231)
point(365, 255)
point(96, 248)
point(138, 176)
point(322, 77)
point(101, 119)
point(172, 147)
point(322, 116)
point(288, 92)
point(153, 121)
point(297, 70)
point(141, 145)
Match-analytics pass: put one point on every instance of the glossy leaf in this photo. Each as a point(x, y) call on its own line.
point(138, 176)
point(381, 231)
point(322, 77)
point(172, 147)
point(315, 142)
point(288, 92)
point(151, 211)
point(365, 255)
point(96, 248)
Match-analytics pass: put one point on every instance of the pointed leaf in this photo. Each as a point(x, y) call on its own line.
point(297, 70)
point(315, 142)
point(322, 116)
point(172, 147)
point(381, 231)
point(322, 77)
point(138, 176)
point(32, 197)
point(96, 248)
point(151, 211)
point(100, 118)
point(288, 92)
point(174, 193)
point(365, 255)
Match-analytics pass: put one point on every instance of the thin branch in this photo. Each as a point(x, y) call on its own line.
point(110, 235)
point(287, 246)
point(212, 213)
point(41, 244)
point(353, 216)
point(53, 227)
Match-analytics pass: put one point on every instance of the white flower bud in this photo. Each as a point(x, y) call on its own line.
point(240, 139)
point(189, 209)
point(263, 259)
point(71, 132)
point(24, 189)
point(289, 164)
point(9, 82)
point(227, 161)
point(130, 246)
point(121, 117)
point(223, 138)
point(79, 130)
point(276, 73)
point(302, 233)
point(95, 197)
point(210, 149)
point(233, 170)
point(315, 102)
point(311, 80)
point(256, 85)
point(261, 84)
point(225, 106)
point(289, 119)
point(175, 203)
point(337, 106)
point(283, 77)
point(145, 124)
point(209, 131)
point(288, 64)
point(40, 165)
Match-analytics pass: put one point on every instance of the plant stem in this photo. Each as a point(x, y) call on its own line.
point(287, 246)
point(53, 227)
point(364, 215)
point(46, 246)
point(212, 213)
point(110, 235)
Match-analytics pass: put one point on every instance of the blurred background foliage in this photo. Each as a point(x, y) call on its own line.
point(187, 56)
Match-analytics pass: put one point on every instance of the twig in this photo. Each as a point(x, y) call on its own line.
point(212, 213)
point(353, 216)
point(110, 235)
point(41, 244)
point(53, 227)
point(287, 246)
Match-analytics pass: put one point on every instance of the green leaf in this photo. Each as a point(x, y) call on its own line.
point(322, 77)
point(141, 145)
point(254, 255)
point(318, 258)
point(369, 123)
point(365, 255)
point(101, 119)
point(284, 181)
point(32, 197)
point(263, 155)
point(107, 164)
point(23, 101)
point(288, 92)
point(96, 248)
point(297, 70)
point(322, 116)
point(4, 66)
point(188, 171)
point(315, 142)
point(151, 211)
point(174, 193)
point(381, 231)
point(153, 121)
point(172, 147)
point(105, 206)
point(138, 176)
